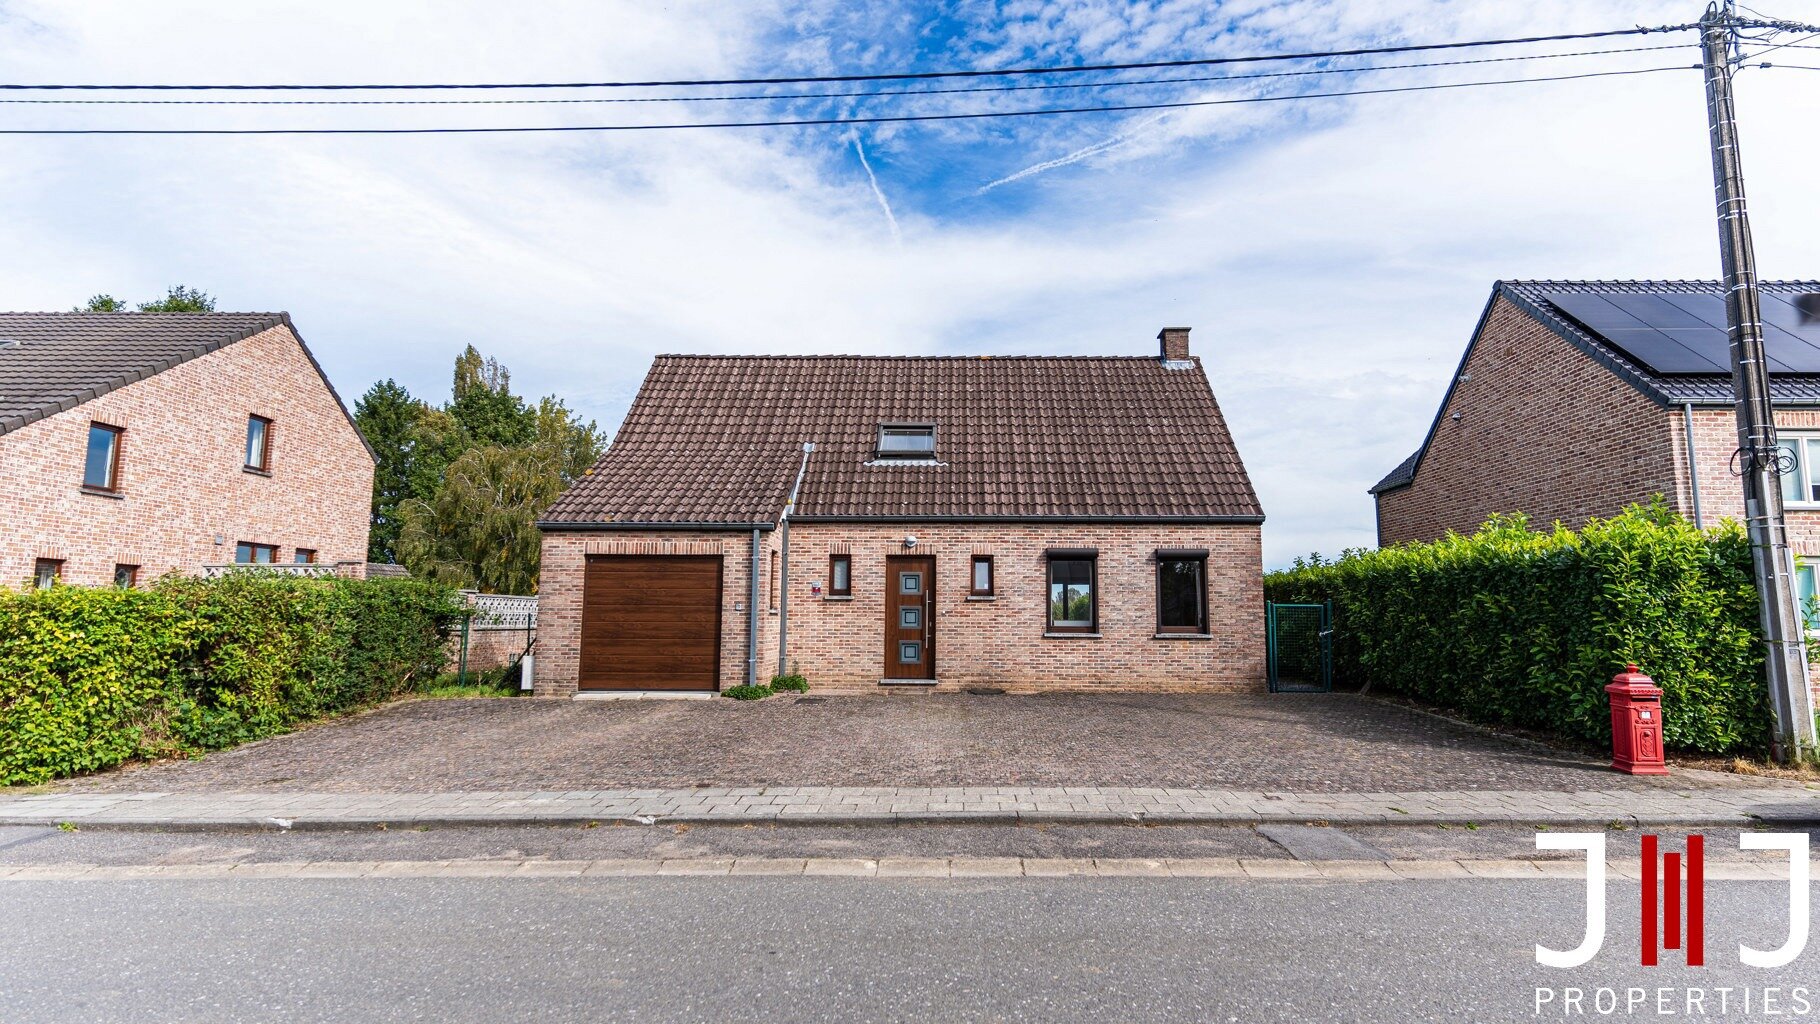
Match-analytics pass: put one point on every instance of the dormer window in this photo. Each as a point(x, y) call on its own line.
point(906, 440)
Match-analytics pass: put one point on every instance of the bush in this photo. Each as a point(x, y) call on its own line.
point(1525, 628)
point(92, 677)
point(747, 691)
point(795, 681)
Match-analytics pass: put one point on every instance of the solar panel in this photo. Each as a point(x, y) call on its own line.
point(1686, 333)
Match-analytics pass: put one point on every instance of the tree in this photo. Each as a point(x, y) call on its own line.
point(102, 303)
point(388, 417)
point(483, 403)
point(480, 529)
point(577, 446)
point(180, 300)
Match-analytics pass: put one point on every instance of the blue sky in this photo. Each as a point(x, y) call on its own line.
point(1331, 255)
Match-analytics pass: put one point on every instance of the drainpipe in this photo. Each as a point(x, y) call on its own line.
point(752, 618)
point(1693, 467)
point(783, 564)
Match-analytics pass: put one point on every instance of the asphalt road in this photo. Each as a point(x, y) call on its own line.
point(828, 949)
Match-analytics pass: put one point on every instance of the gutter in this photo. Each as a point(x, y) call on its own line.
point(783, 564)
point(1110, 520)
point(1693, 465)
point(568, 526)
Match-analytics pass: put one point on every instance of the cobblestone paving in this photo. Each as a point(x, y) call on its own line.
point(1307, 744)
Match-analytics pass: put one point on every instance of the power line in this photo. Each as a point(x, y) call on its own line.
point(810, 122)
point(890, 77)
point(867, 93)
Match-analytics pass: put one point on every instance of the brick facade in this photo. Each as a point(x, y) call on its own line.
point(184, 497)
point(1541, 428)
point(839, 643)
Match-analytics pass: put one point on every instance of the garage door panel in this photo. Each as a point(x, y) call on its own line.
point(651, 623)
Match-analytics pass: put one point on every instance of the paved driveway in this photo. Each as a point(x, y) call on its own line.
point(1300, 742)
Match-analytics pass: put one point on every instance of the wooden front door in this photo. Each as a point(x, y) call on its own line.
point(910, 617)
point(651, 622)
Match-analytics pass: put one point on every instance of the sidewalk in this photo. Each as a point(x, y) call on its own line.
point(1788, 804)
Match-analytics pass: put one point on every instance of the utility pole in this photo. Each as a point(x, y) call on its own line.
point(1758, 458)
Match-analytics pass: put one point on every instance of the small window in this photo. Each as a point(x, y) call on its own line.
point(126, 576)
point(840, 575)
point(258, 443)
point(982, 576)
point(101, 470)
point(910, 583)
point(906, 441)
point(246, 553)
point(1181, 594)
point(1072, 606)
point(305, 556)
point(910, 618)
point(773, 581)
point(48, 572)
point(909, 653)
point(1809, 591)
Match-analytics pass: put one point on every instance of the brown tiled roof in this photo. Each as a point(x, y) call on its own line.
point(50, 362)
point(717, 440)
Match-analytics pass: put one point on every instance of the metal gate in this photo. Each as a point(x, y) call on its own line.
point(1300, 643)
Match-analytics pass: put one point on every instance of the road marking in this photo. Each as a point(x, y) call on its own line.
point(1326, 871)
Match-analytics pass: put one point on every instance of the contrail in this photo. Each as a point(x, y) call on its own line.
point(877, 193)
point(1075, 157)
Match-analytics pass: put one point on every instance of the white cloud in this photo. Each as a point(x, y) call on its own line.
point(1332, 256)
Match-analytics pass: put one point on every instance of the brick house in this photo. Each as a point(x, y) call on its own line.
point(138, 444)
point(1024, 523)
point(1576, 398)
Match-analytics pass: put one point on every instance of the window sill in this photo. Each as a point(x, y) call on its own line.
point(256, 471)
point(1184, 636)
point(102, 492)
point(1071, 636)
point(982, 597)
point(837, 597)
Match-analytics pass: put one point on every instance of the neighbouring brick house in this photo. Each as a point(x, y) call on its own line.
point(1577, 398)
point(1027, 523)
point(138, 444)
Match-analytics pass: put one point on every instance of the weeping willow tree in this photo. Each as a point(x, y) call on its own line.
point(480, 528)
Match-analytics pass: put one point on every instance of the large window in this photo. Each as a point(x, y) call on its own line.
point(1802, 486)
point(906, 441)
point(1073, 606)
point(248, 553)
point(1181, 592)
point(258, 443)
point(840, 575)
point(101, 470)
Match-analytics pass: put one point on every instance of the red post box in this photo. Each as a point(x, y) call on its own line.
point(1636, 724)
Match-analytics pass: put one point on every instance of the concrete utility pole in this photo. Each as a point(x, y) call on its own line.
point(1758, 459)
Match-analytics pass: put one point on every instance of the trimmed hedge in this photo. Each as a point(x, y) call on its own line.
point(91, 676)
point(1525, 628)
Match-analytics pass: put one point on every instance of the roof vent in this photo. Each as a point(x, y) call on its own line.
point(10, 342)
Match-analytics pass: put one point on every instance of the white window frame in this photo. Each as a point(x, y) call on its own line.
point(1805, 446)
point(1805, 584)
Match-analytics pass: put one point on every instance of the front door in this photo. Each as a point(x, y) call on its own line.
point(909, 617)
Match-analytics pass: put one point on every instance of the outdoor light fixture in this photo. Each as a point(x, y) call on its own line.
point(910, 541)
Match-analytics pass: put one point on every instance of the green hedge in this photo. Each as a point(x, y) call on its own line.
point(91, 677)
point(1525, 628)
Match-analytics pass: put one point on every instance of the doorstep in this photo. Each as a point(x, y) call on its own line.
point(644, 695)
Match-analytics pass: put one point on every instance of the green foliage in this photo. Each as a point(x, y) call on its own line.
point(178, 299)
point(103, 303)
point(747, 691)
point(795, 681)
point(92, 677)
point(1525, 628)
point(472, 476)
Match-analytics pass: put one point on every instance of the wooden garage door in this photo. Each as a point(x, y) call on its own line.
point(651, 622)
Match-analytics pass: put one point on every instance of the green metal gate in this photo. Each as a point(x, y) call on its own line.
point(1300, 644)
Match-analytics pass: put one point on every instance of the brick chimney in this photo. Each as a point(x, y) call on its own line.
point(1174, 341)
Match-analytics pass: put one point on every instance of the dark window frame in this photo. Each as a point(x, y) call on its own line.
point(297, 557)
point(126, 576)
point(264, 465)
point(253, 548)
point(1092, 625)
point(113, 466)
point(913, 428)
point(1199, 560)
point(845, 560)
point(973, 577)
point(56, 572)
